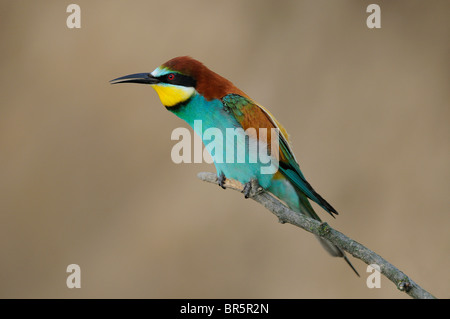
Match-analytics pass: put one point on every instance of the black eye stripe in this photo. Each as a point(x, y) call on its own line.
point(178, 79)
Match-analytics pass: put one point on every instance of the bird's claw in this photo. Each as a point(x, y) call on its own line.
point(221, 180)
point(247, 189)
point(251, 188)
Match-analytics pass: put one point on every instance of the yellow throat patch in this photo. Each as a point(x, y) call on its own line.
point(171, 95)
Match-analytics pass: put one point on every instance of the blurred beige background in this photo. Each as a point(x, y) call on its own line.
point(86, 175)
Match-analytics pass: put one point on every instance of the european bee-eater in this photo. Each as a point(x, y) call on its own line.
point(193, 92)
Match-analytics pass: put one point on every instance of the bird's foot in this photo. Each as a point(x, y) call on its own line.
point(252, 189)
point(221, 180)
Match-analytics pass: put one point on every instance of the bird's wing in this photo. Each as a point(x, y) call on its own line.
point(251, 115)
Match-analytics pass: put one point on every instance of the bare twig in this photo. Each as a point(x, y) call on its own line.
point(285, 215)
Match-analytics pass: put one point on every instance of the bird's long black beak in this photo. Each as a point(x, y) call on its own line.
point(142, 78)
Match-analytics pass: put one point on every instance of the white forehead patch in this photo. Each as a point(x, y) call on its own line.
point(160, 71)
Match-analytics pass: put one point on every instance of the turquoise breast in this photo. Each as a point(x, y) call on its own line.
point(234, 155)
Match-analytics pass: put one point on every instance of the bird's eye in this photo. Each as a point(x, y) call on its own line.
point(170, 76)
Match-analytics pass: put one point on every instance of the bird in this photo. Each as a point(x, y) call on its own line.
point(193, 92)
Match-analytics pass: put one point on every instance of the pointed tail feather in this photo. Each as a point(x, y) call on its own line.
point(333, 250)
point(351, 266)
